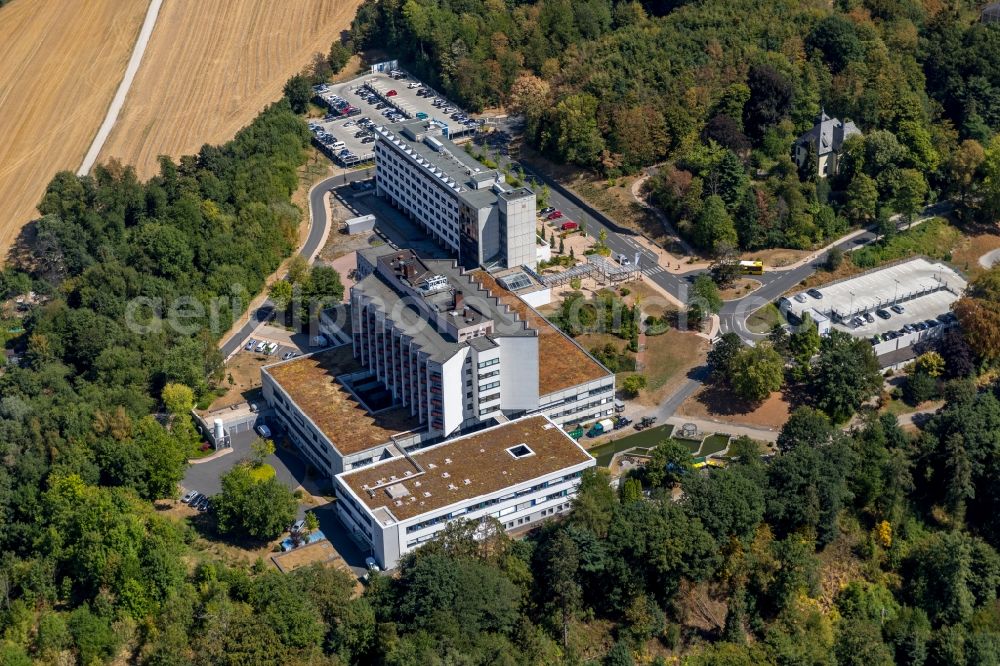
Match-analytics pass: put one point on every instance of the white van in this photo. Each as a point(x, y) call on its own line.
point(337, 144)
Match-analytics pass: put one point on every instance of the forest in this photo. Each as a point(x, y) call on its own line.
point(865, 545)
point(716, 92)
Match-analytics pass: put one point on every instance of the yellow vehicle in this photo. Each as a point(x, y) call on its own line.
point(751, 267)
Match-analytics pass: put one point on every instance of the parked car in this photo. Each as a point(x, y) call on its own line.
point(368, 139)
point(569, 226)
point(391, 93)
point(546, 210)
point(263, 430)
point(815, 293)
point(801, 298)
point(189, 495)
point(554, 215)
point(412, 85)
point(884, 314)
point(421, 115)
point(260, 346)
point(857, 322)
point(623, 260)
point(250, 344)
point(932, 323)
point(203, 503)
point(297, 526)
point(868, 317)
point(195, 498)
point(898, 309)
point(372, 564)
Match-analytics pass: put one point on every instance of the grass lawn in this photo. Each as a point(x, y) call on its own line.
point(970, 248)
point(647, 439)
point(764, 319)
point(665, 361)
point(739, 289)
point(714, 444)
point(935, 238)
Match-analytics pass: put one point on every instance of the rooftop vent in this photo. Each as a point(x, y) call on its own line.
point(445, 475)
point(447, 461)
point(452, 486)
point(426, 494)
point(397, 491)
point(466, 481)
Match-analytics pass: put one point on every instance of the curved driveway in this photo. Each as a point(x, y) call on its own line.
point(319, 223)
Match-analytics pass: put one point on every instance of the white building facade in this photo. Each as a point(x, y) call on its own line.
point(521, 473)
point(465, 207)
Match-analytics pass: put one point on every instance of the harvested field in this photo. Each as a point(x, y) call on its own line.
point(60, 63)
point(211, 66)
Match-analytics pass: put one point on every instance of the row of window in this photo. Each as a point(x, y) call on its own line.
point(488, 363)
point(497, 500)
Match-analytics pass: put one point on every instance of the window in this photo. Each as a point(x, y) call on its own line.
point(520, 451)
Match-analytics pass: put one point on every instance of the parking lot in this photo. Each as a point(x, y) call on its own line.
point(281, 345)
point(205, 478)
point(357, 106)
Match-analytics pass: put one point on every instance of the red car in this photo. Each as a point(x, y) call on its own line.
point(391, 93)
point(569, 226)
point(554, 215)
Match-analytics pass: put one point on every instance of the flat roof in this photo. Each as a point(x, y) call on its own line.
point(414, 323)
point(311, 383)
point(881, 288)
point(451, 165)
point(463, 468)
point(562, 363)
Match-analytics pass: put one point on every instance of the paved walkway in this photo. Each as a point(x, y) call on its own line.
point(708, 427)
point(111, 117)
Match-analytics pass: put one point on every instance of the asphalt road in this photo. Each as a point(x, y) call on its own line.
point(734, 313)
point(318, 221)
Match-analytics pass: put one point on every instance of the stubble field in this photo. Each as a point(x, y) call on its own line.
point(60, 63)
point(211, 66)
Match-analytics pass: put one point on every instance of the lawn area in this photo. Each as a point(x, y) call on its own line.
point(644, 442)
point(969, 249)
point(647, 439)
point(739, 289)
point(665, 361)
point(935, 239)
point(764, 319)
point(714, 444)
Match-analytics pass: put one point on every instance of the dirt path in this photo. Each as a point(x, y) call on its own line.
point(111, 117)
point(667, 226)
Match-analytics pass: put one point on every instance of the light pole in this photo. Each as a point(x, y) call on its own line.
point(895, 294)
point(851, 312)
